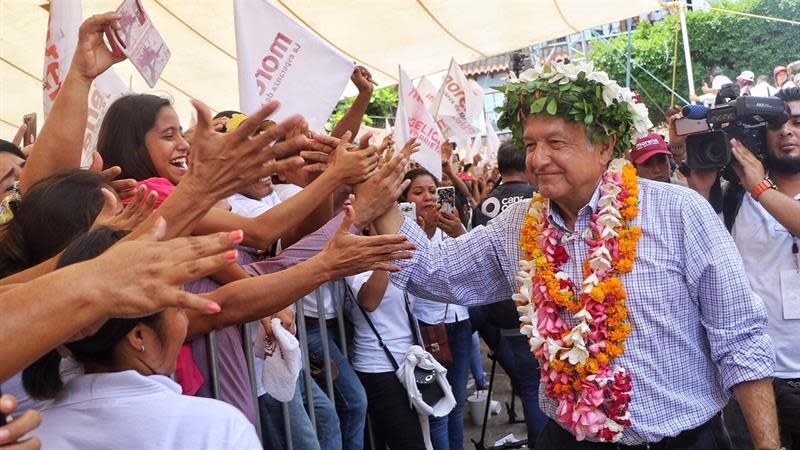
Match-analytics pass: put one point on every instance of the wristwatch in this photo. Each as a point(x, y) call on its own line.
point(762, 187)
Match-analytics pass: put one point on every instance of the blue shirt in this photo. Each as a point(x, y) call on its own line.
point(698, 328)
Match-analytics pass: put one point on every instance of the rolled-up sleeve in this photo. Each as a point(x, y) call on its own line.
point(734, 317)
point(469, 270)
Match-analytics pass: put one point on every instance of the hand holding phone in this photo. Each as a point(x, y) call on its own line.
point(138, 39)
point(409, 210)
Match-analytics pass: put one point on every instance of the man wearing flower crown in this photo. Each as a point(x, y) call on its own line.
point(630, 291)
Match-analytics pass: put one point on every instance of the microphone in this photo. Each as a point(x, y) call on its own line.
point(694, 112)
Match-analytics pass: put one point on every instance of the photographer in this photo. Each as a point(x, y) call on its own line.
point(764, 225)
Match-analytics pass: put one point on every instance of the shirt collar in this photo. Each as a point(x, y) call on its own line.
point(555, 217)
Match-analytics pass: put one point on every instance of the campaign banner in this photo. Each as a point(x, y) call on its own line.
point(492, 143)
point(278, 59)
point(428, 92)
point(415, 121)
point(458, 107)
point(62, 38)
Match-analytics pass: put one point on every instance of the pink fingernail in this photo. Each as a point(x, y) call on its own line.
point(231, 255)
point(213, 308)
point(236, 236)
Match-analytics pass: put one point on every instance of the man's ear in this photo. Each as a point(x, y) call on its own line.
point(606, 148)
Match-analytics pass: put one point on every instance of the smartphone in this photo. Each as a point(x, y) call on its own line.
point(30, 132)
point(446, 196)
point(685, 127)
point(409, 210)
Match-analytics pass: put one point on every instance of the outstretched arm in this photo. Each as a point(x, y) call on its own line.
point(60, 144)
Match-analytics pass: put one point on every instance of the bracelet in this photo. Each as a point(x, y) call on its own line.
point(762, 187)
point(674, 147)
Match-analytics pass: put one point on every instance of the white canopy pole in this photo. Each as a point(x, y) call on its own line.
point(687, 54)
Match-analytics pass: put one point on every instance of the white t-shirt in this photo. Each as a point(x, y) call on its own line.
point(69, 369)
point(248, 207)
point(432, 312)
point(763, 90)
point(129, 410)
point(390, 319)
point(766, 249)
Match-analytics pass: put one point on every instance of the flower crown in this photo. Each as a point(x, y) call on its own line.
point(578, 93)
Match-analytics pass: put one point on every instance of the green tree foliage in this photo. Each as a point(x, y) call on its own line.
point(383, 104)
point(733, 42)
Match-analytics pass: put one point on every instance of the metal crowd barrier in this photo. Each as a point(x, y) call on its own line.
point(337, 292)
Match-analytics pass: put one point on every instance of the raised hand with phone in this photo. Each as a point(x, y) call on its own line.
point(60, 142)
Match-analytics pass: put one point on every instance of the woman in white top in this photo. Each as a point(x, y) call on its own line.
point(447, 433)
point(394, 421)
point(125, 398)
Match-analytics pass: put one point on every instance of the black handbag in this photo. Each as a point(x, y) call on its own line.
point(426, 379)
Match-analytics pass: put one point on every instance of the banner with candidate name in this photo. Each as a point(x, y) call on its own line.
point(415, 121)
point(278, 59)
point(64, 22)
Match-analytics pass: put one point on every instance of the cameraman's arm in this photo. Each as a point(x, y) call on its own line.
point(677, 144)
point(781, 206)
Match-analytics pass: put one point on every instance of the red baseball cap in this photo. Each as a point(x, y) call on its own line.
point(646, 147)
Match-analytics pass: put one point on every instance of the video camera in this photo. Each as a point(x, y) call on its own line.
point(743, 118)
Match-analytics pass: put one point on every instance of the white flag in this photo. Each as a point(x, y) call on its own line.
point(62, 39)
point(456, 109)
point(428, 92)
point(281, 60)
point(492, 142)
point(414, 121)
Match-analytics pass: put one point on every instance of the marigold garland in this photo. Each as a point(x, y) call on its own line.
point(577, 362)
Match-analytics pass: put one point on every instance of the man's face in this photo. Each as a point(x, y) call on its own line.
point(781, 78)
point(10, 170)
point(561, 160)
point(259, 189)
point(783, 144)
point(655, 168)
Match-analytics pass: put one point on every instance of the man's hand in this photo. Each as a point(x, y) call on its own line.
point(362, 79)
point(221, 164)
point(380, 192)
point(451, 224)
point(92, 55)
point(347, 254)
point(11, 433)
point(748, 168)
point(144, 276)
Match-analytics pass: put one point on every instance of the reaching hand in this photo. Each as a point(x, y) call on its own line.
point(362, 79)
point(411, 147)
point(221, 164)
point(131, 216)
point(11, 433)
point(353, 167)
point(92, 55)
point(143, 276)
point(124, 188)
point(347, 254)
point(380, 192)
point(748, 168)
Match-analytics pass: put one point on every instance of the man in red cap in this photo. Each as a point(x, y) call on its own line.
point(650, 156)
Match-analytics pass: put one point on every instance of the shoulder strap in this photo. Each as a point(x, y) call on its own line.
point(412, 322)
point(374, 330)
point(731, 202)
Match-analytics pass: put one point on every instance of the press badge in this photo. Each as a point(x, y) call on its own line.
point(790, 294)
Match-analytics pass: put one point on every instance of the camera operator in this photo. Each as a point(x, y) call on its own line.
point(766, 228)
